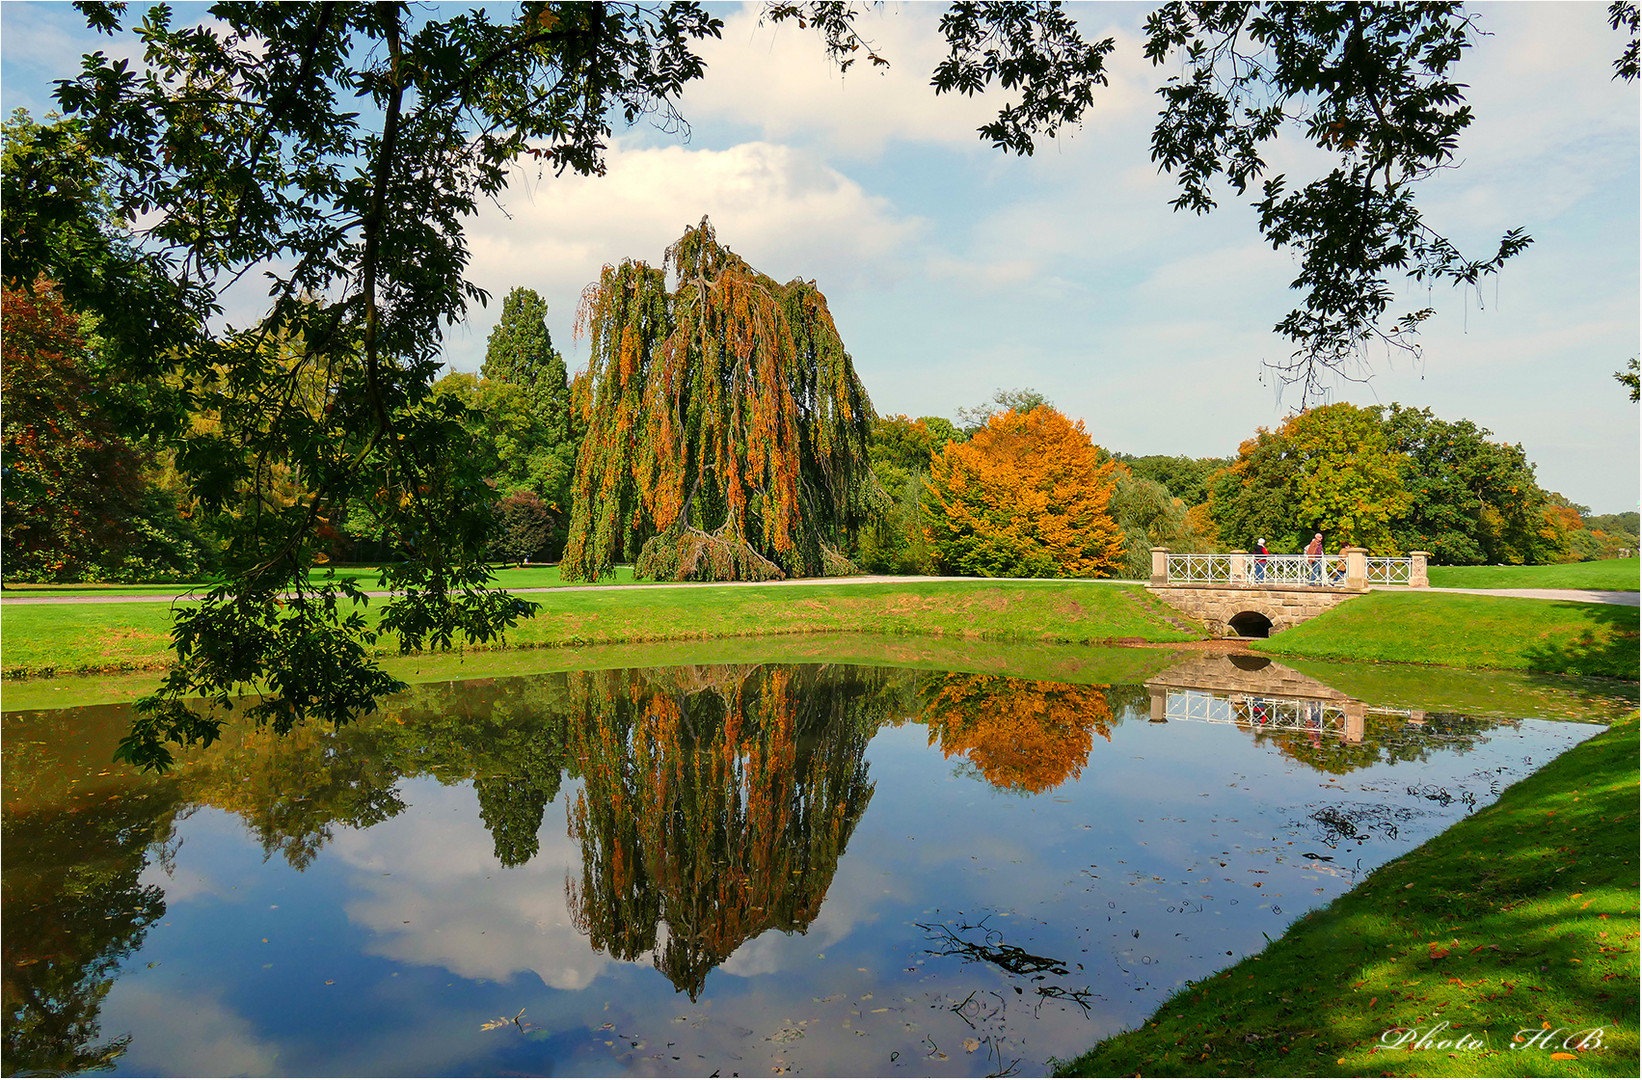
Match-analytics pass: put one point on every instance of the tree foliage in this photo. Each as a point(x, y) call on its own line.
point(894, 541)
point(1026, 496)
point(727, 432)
point(71, 478)
point(524, 525)
point(1148, 516)
point(1371, 86)
point(242, 143)
point(1186, 478)
point(1471, 500)
point(1391, 479)
point(1023, 400)
point(1328, 470)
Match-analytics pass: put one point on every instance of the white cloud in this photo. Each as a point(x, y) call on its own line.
point(785, 210)
point(778, 80)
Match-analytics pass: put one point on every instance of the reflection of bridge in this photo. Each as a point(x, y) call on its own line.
point(1242, 595)
point(1252, 692)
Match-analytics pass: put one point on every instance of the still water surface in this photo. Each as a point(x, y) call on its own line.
point(752, 869)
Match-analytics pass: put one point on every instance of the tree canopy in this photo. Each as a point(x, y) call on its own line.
point(727, 432)
point(1390, 479)
point(242, 145)
point(1328, 470)
point(1026, 496)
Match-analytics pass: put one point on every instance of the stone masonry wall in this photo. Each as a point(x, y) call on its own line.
point(1216, 605)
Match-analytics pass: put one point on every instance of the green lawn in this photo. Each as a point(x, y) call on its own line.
point(504, 577)
point(1522, 916)
point(41, 638)
point(1601, 574)
point(1053, 662)
point(1462, 630)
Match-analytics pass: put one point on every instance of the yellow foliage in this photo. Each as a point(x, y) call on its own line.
point(1025, 497)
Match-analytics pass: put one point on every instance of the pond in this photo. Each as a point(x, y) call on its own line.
point(724, 869)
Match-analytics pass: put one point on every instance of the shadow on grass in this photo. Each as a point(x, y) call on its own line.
point(1611, 651)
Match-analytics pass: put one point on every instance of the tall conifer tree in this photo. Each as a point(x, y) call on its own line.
point(727, 432)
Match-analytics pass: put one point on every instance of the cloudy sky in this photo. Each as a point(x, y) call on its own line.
point(953, 270)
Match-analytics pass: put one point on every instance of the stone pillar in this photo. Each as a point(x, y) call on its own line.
point(1160, 566)
point(1418, 576)
point(1239, 567)
point(1355, 716)
point(1356, 567)
point(1157, 705)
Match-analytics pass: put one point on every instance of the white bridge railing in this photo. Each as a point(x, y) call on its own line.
point(1385, 570)
point(1353, 568)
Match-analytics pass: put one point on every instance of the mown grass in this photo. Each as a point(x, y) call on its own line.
point(1461, 630)
point(1050, 662)
point(45, 639)
point(1621, 574)
point(368, 577)
point(1522, 917)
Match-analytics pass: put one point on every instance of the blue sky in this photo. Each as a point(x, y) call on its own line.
point(953, 270)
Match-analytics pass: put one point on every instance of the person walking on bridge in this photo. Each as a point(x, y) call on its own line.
point(1314, 559)
point(1260, 553)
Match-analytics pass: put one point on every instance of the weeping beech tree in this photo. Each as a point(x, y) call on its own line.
point(727, 433)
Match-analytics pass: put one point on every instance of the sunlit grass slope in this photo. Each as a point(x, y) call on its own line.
point(109, 637)
point(1463, 630)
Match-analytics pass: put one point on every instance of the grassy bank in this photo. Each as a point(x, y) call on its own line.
point(1601, 574)
point(1050, 662)
point(503, 577)
point(60, 638)
point(1509, 633)
point(1523, 916)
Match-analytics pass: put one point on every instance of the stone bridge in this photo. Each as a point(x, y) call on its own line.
point(1244, 595)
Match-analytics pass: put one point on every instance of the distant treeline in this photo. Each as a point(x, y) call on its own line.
point(1011, 488)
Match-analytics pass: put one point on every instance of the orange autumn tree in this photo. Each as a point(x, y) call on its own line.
point(1025, 497)
point(1022, 735)
point(727, 432)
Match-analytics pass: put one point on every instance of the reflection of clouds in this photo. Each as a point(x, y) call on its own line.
point(184, 1034)
point(186, 883)
point(448, 902)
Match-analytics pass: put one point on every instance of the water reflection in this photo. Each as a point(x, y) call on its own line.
point(586, 827)
point(715, 804)
point(1308, 721)
point(1020, 735)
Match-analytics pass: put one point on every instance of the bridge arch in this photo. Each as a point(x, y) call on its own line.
point(1240, 611)
point(1249, 624)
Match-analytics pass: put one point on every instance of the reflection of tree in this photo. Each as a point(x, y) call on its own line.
point(293, 790)
point(1387, 738)
point(1020, 734)
point(716, 803)
point(74, 909)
